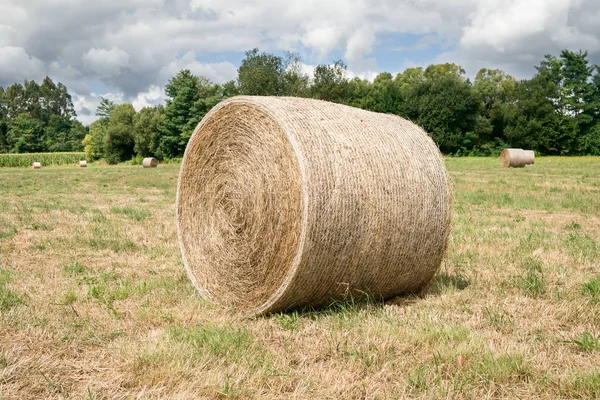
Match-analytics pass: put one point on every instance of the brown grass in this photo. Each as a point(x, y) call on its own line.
point(91, 306)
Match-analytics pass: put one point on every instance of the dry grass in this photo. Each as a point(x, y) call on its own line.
point(92, 307)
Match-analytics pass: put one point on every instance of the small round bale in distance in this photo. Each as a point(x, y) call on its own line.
point(83, 163)
point(36, 165)
point(517, 158)
point(285, 202)
point(150, 162)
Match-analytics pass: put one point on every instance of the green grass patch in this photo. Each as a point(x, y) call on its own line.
point(588, 342)
point(502, 369)
point(217, 340)
point(585, 385)
point(290, 321)
point(74, 269)
point(135, 213)
point(8, 297)
point(7, 232)
point(592, 288)
point(533, 281)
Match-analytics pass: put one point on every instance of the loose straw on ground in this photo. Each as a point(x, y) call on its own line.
point(150, 162)
point(285, 202)
point(517, 158)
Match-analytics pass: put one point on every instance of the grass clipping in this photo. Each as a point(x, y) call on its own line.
point(285, 202)
point(517, 158)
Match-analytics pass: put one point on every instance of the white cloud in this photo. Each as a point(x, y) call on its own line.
point(153, 96)
point(16, 65)
point(106, 63)
point(86, 106)
point(217, 72)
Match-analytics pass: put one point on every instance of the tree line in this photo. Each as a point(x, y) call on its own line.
point(38, 118)
point(556, 112)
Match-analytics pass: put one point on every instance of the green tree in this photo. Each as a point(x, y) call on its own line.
point(330, 82)
point(4, 147)
point(94, 141)
point(494, 89)
point(180, 117)
point(359, 94)
point(444, 106)
point(447, 70)
point(105, 108)
point(534, 122)
point(119, 141)
point(260, 74)
point(148, 130)
point(25, 134)
point(294, 82)
point(386, 94)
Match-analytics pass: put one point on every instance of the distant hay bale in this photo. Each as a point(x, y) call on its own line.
point(36, 165)
point(517, 158)
point(83, 163)
point(286, 202)
point(150, 162)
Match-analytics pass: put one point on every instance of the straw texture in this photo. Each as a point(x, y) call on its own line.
point(150, 162)
point(517, 158)
point(285, 202)
point(83, 163)
point(36, 165)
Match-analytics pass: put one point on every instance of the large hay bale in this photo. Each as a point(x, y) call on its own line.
point(150, 162)
point(82, 163)
point(517, 158)
point(285, 202)
point(36, 165)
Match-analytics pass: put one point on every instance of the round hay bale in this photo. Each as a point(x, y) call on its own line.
point(36, 165)
point(150, 162)
point(285, 202)
point(83, 163)
point(517, 158)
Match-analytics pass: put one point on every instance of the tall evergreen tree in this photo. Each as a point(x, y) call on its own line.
point(180, 119)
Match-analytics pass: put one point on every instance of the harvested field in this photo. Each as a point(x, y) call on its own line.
point(95, 302)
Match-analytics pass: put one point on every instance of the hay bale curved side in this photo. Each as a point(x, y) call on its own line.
point(150, 162)
point(82, 163)
point(36, 165)
point(529, 156)
point(287, 202)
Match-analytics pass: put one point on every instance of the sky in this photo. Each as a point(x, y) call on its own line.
point(127, 50)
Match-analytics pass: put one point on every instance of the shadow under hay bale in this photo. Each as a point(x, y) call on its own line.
point(150, 162)
point(285, 203)
point(517, 158)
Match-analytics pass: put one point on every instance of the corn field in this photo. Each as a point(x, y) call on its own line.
point(26, 159)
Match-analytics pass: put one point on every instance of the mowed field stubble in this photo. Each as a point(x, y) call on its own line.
point(95, 303)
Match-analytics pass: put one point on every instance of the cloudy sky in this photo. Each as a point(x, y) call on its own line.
point(128, 49)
